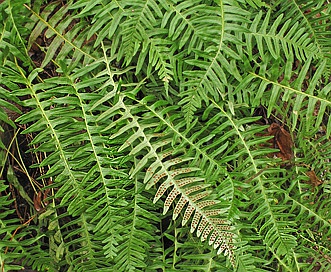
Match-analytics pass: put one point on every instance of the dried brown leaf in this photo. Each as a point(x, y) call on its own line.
point(314, 180)
point(282, 140)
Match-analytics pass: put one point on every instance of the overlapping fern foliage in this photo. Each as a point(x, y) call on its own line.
point(145, 122)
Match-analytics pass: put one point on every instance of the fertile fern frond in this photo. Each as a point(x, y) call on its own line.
point(165, 164)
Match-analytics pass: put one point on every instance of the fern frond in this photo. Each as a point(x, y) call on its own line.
point(280, 37)
point(7, 229)
point(168, 166)
point(78, 169)
point(105, 17)
point(17, 239)
point(143, 16)
point(136, 232)
point(147, 124)
point(159, 54)
point(303, 102)
point(209, 71)
point(182, 22)
point(314, 17)
point(13, 32)
point(64, 42)
point(276, 226)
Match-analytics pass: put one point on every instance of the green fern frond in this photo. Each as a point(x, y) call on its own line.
point(303, 103)
point(13, 31)
point(208, 72)
point(314, 18)
point(105, 17)
point(17, 240)
point(140, 17)
point(280, 37)
point(64, 41)
point(317, 152)
point(135, 232)
point(7, 229)
point(182, 22)
point(77, 169)
point(163, 164)
point(167, 166)
point(276, 226)
point(157, 52)
point(191, 102)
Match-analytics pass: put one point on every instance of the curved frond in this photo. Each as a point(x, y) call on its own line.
point(170, 167)
point(209, 71)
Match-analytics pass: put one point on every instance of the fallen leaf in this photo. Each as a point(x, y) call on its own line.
point(282, 140)
point(314, 180)
point(37, 201)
